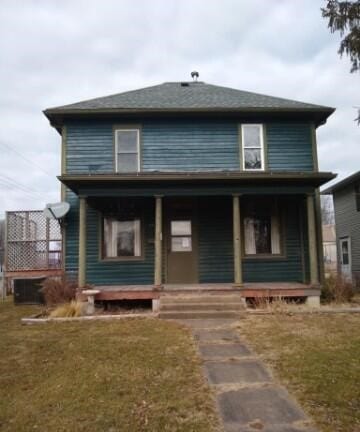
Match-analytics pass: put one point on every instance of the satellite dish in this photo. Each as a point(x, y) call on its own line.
point(57, 210)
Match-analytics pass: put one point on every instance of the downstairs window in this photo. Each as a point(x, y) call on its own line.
point(262, 229)
point(122, 238)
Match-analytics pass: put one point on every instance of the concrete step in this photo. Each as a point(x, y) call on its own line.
point(199, 314)
point(201, 306)
point(172, 298)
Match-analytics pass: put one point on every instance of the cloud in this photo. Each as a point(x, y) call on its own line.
point(53, 53)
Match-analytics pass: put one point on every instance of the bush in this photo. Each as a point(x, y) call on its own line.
point(58, 291)
point(337, 289)
point(72, 309)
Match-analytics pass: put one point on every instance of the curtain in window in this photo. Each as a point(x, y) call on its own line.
point(275, 233)
point(111, 234)
point(250, 243)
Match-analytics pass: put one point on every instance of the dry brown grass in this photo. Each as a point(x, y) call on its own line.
point(317, 358)
point(135, 375)
point(67, 310)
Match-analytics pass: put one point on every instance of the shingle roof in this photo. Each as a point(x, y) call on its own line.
point(187, 96)
point(353, 178)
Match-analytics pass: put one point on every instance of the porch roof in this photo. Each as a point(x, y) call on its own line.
point(195, 183)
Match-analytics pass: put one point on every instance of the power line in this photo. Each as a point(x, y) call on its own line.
point(30, 161)
point(15, 185)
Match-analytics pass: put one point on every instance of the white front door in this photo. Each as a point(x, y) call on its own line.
point(345, 257)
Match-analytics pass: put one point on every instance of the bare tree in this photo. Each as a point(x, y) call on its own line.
point(344, 17)
point(2, 243)
point(327, 210)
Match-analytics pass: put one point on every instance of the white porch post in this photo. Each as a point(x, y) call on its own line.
point(82, 243)
point(158, 241)
point(238, 280)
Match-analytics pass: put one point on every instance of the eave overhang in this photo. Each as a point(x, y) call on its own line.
point(58, 117)
point(354, 178)
point(81, 184)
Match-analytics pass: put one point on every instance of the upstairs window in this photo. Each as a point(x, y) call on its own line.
point(127, 150)
point(252, 147)
point(357, 197)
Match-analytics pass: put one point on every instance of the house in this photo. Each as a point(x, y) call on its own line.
point(346, 195)
point(329, 247)
point(191, 185)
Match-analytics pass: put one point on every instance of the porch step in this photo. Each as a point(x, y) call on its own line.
point(190, 306)
point(198, 314)
point(203, 306)
point(196, 298)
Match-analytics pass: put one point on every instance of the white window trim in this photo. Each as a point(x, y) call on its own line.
point(117, 147)
point(261, 126)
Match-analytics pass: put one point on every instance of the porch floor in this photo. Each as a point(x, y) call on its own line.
point(248, 289)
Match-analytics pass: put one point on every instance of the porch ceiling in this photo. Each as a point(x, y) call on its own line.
point(195, 183)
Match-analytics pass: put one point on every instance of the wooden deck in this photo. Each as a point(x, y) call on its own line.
point(249, 290)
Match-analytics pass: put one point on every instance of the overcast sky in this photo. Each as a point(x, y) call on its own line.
point(59, 52)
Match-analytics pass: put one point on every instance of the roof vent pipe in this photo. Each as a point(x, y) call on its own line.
point(195, 76)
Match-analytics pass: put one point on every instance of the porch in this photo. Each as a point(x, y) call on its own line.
point(153, 235)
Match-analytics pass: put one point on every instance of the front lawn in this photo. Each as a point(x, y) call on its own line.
point(317, 357)
point(130, 375)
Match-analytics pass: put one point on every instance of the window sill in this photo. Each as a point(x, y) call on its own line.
point(122, 259)
point(264, 257)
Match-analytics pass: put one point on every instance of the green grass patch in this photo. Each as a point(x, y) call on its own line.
point(318, 359)
point(128, 375)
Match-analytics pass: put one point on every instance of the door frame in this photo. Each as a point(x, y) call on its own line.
point(341, 240)
point(168, 212)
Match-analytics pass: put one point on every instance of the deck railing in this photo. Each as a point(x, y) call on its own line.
point(33, 242)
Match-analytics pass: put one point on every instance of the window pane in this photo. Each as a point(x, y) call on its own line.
point(181, 244)
point(251, 136)
point(122, 238)
point(180, 228)
point(345, 252)
point(262, 229)
point(252, 158)
point(127, 162)
point(127, 140)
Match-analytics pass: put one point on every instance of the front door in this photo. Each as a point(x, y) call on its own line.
point(181, 233)
point(345, 257)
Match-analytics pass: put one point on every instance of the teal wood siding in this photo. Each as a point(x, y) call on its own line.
point(186, 146)
point(289, 146)
point(216, 262)
point(126, 272)
point(72, 236)
point(190, 146)
point(287, 269)
point(216, 246)
point(89, 148)
point(100, 272)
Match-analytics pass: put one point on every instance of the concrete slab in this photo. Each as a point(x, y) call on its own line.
point(207, 323)
point(233, 372)
point(224, 350)
point(216, 335)
point(256, 426)
point(269, 405)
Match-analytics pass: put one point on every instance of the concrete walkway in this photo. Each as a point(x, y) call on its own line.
point(248, 398)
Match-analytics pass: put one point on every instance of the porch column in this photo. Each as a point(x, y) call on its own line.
point(313, 256)
point(82, 243)
point(158, 241)
point(237, 241)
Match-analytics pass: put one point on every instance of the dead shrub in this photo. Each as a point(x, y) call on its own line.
point(58, 291)
point(72, 309)
point(337, 289)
